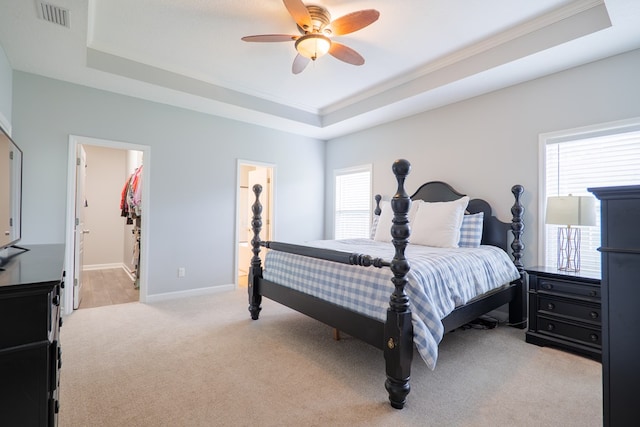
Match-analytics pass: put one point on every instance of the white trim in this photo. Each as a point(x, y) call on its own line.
point(584, 132)
point(109, 266)
point(74, 141)
point(190, 293)
point(272, 210)
point(4, 123)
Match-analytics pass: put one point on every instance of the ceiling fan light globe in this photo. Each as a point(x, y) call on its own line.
point(313, 46)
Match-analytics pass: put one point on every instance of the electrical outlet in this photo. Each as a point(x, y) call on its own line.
point(181, 272)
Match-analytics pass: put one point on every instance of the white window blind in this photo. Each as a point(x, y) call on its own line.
point(572, 166)
point(352, 203)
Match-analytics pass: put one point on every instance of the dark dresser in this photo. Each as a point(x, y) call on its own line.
point(565, 310)
point(620, 250)
point(30, 296)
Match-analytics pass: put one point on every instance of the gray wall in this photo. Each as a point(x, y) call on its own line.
point(194, 159)
point(6, 89)
point(484, 145)
point(193, 175)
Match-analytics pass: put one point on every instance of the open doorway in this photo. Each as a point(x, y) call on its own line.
point(105, 253)
point(249, 174)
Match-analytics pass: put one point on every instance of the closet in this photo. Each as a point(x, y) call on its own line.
point(112, 211)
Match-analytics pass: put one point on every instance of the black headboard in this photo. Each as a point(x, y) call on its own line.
point(494, 231)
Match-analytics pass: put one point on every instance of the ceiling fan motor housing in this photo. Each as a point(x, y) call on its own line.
point(320, 18)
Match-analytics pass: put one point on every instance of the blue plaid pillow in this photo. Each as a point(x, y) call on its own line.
point(471, 230)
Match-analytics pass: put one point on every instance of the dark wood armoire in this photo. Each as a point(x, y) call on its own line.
point(620, 249)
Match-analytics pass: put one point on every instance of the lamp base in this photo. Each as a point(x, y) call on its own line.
point(569, 249)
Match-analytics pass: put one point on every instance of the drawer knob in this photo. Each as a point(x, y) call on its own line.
point(547, 286)
point(550, 306)
point(551, 327)
point(593, 293)
point(594, 315)
point(594, 337)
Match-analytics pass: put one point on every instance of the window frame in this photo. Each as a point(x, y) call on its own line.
point(347, 171)
point(568, 135)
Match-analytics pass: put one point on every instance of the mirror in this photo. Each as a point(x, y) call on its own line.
point(10, 190)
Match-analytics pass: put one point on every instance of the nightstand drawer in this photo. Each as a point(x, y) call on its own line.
point(566, 287)
point(569, 309)
point(580, 333)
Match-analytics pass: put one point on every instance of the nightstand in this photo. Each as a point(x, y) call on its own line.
point(565, 311)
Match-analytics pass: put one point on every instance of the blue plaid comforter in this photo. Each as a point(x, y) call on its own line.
point(439, 281)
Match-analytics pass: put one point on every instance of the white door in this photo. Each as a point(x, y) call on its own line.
point(79, 231)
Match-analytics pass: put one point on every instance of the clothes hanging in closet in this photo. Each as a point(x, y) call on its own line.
point(131, 208)
point(131, 199)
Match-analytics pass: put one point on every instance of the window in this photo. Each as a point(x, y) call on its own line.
point(352, 202)
point(574, 161)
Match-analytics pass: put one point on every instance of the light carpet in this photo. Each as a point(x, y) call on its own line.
point(202, 361)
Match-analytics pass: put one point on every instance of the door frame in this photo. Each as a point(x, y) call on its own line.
point(74, 141)
point(272, 223)
point(79, 231)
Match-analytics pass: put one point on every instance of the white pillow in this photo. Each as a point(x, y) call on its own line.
point(438, 223)
point(383, 227)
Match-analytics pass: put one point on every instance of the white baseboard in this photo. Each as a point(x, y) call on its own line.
point(189, 293)
point(129, 272)
point(103, 266)
point(121, 265)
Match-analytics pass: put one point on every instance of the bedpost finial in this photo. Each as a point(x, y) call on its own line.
point(517, 190)
point(401, 167)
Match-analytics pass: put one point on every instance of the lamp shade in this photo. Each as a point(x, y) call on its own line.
point(571, 210)
point(313, 45)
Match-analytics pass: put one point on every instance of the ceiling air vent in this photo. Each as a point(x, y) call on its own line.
point(52, 13)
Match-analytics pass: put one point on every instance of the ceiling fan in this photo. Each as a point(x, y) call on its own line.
point(315, 25)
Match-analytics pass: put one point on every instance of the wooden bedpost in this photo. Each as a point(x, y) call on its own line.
point(398, 329)
point(517, 308)
point(255, 270)
point(377, 210)
point(517, 227)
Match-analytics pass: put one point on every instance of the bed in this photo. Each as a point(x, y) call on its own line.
point(383, 290)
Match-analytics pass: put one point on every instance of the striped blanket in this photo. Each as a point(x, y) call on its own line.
point(439, 281)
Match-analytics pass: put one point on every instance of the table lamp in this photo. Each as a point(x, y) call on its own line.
point(570, 211)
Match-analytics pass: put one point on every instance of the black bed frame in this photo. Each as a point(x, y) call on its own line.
point(395, 336)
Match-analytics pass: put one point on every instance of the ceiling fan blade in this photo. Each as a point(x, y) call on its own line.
point(299, 64)
point(346, 54)
point(299, 12)
point(354, 21)
point(270, 38)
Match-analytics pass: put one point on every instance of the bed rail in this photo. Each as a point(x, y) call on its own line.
point(328, 254)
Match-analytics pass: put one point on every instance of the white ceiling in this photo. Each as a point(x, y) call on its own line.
point(420, 54)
